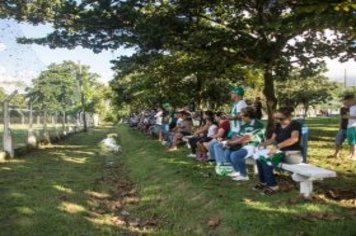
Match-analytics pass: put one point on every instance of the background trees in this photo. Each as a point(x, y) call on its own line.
point(210, 39)
point(306, 92)
point(57, 89)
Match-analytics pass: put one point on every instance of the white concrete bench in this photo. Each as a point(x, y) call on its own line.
point(305, 174)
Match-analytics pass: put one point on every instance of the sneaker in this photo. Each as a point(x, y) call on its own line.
point(234, 174)
point(192, 155)
point(241, 178)
point(164, 143)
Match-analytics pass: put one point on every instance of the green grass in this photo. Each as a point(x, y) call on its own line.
point(55, 191)
point(69, 189)
point(187, 194)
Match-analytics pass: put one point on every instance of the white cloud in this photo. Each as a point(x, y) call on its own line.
point(19, 81)
point(2, 47)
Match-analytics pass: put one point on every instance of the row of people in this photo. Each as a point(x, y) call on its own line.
point(228, 139)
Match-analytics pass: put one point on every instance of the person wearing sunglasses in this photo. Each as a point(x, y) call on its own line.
point(286, 137)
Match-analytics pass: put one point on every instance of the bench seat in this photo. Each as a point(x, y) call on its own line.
point(302, 173)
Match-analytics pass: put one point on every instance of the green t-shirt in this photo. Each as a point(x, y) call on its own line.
point(256, 128)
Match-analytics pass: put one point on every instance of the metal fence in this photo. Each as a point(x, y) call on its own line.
point(27, 128)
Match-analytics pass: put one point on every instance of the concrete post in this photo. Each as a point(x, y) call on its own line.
point(7, 137)
point(64, 128)
point(31, 137)
point(46, 138)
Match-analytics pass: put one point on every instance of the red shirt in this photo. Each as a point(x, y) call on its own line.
point(225, 125)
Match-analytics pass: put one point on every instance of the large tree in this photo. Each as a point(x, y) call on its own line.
point(273, 36)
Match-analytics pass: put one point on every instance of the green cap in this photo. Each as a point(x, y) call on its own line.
point(238, 90)
point(166, 104)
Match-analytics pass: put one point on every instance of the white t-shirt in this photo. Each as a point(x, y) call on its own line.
point(352, 112)
point(179, 121)
point(159, 118)
point(236, 109)
point(212, 130)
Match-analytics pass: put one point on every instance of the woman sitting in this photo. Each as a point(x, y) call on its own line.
point(286, 137)
point(202, 143)
point(200, 133)
point(184, 129)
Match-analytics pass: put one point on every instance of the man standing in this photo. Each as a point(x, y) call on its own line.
point(237, 97)
point(350, 101)
point(341, 135)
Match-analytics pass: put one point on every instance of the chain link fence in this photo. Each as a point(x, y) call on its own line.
point(23, 129)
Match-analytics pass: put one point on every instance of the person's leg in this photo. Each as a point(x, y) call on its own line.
point(238, 161)
point(339, 139)
point(211, 149)
point(261, 175)
point(268, 175)
point(227, 155)
point(219, 153)
point(351, 137)
point(193, 144)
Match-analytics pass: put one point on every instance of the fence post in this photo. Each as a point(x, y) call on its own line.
point(31, 137)
point(46, 138)
point(7, 136)
point(64, 128)
point(54, 125)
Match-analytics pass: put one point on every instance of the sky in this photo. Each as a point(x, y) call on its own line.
point(24, 62)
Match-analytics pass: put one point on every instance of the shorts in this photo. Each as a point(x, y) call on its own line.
point(340, 137)
point(186, 133)
point(351, 135)
point(205, 140)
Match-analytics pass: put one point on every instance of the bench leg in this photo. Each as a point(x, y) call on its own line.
point(306, 188)
point(306, 185)
point(255, 170)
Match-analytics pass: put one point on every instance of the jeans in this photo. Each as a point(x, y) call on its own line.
point(265, 173)
point(222, 155)
point(340, 137)
point(211, 149)
point(238, 161)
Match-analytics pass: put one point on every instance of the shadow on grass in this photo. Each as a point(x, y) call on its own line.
point(189, 194)
point(55, 191)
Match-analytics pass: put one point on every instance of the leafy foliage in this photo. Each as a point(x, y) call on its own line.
point(307, 92)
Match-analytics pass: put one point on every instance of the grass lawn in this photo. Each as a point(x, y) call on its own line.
point(191, 200)
point(66, 189)
point(76, 188)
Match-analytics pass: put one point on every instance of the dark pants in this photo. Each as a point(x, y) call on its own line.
point(193, 144)
point(265, 173)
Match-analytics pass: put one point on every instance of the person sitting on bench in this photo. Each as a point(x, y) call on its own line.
point(286, 137)
point(200, 133)
point(185, 129)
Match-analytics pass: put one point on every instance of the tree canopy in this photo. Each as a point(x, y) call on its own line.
point(271, 36)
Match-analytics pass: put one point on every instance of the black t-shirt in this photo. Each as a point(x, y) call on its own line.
point(282, 134)
point(344, 122)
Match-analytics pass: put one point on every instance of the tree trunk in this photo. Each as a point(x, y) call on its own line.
point(271, 99)
point(306, 109)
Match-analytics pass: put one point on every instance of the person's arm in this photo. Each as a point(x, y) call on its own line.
point(349, 116)
point(201, 130)
point(289, 142)
point(238, 140)
point(220, 134)
point(268, 141)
